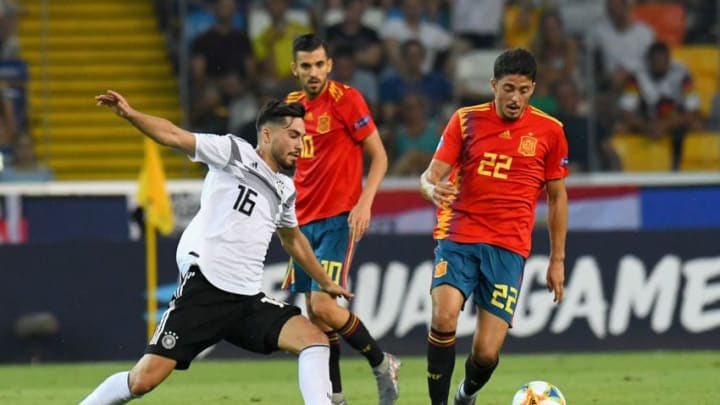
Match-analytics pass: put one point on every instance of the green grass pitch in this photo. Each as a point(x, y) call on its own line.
point(586, 379)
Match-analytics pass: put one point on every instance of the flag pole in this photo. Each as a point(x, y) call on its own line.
point(151, 275)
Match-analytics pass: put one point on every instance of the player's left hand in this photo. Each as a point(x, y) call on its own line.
point(359, 220)
point(337, 291)
point(556, 279)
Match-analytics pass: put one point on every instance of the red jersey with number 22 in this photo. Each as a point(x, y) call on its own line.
point(328, 176)
point(500, 167)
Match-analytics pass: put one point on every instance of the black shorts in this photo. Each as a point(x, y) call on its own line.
point(201, 315)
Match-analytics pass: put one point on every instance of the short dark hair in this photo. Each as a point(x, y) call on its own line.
point(516, 61)
point(308, 43)
point(658, 47)
point(277, 112)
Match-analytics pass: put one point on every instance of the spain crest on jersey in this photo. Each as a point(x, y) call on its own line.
point(323, 123)
point(528, 143)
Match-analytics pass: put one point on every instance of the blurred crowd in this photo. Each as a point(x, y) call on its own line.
point(605, 67)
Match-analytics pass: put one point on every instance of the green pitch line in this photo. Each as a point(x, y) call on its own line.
point(585, 379)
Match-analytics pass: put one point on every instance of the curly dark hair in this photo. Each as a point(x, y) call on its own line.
point(516, 61)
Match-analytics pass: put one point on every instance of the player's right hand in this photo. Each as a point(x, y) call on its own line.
point(444, 192)
point(336, 291)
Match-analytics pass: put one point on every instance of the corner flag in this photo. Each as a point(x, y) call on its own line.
point(152, 191)
point(153, 197)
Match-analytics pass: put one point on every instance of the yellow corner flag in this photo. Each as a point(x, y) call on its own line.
point(153, 197)
point(152, 191)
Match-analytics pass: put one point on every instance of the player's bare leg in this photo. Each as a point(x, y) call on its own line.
point(447, 301)
point(149, 372)
point(300, 336)
point(325, 309)
point(490, 333)
point(119, 388)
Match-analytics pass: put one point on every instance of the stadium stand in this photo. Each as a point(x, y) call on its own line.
point(703, 61)
point(701, 152)
point(92, 46)
point(667, 19)
point(640, 153)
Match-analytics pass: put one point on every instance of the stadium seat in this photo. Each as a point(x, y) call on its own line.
point(703, 61)
point(668, 21)
point(639, 153)
point(701, 151)
point(474, 70)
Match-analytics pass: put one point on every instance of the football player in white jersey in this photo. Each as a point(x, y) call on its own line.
point(220, 256)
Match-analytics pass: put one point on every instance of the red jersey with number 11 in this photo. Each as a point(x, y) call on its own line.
point(500, 167)
point(328, 176)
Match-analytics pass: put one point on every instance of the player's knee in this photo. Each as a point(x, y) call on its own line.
point(322, 307)
point(315, 336)
point(140, 383)
point(444, 320)
point(485, 356)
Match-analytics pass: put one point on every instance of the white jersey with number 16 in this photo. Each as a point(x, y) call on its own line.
point(243, 202)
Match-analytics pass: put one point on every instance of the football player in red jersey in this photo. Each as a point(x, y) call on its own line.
point(333, 207)
point(492, 162)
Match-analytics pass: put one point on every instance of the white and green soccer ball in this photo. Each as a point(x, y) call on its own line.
point(539, 393)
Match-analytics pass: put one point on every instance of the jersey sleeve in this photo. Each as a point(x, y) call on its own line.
point(288, 218)
point(213, 150)
point(450, 145)
point(556, 161)
point(356, 115)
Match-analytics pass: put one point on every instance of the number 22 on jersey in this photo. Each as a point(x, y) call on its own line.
point(495, 165)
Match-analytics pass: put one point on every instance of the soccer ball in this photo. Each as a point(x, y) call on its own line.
point(538, 393)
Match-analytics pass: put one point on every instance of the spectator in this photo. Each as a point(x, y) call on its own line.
point(660, 100)
point(9, 45)
point(222, 69)
point(581, 143)
point(222, 50)
point(619, 44)
point(412, 79)
point(273, 48)
point(345, 71)
point(478, 22)
point(24, 165)
point(415, 141)
point(520, 23)
point(555, 52)
point(578, 15)
point(8, 123)
point(435, 39)
point(352, 33)
point(703, 24)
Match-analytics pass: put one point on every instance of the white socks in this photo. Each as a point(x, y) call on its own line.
point(113, 391)
point(314, 375)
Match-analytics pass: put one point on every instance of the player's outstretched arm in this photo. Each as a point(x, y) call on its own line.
point(158, 129)
point(298, 247)
point(557, 227)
